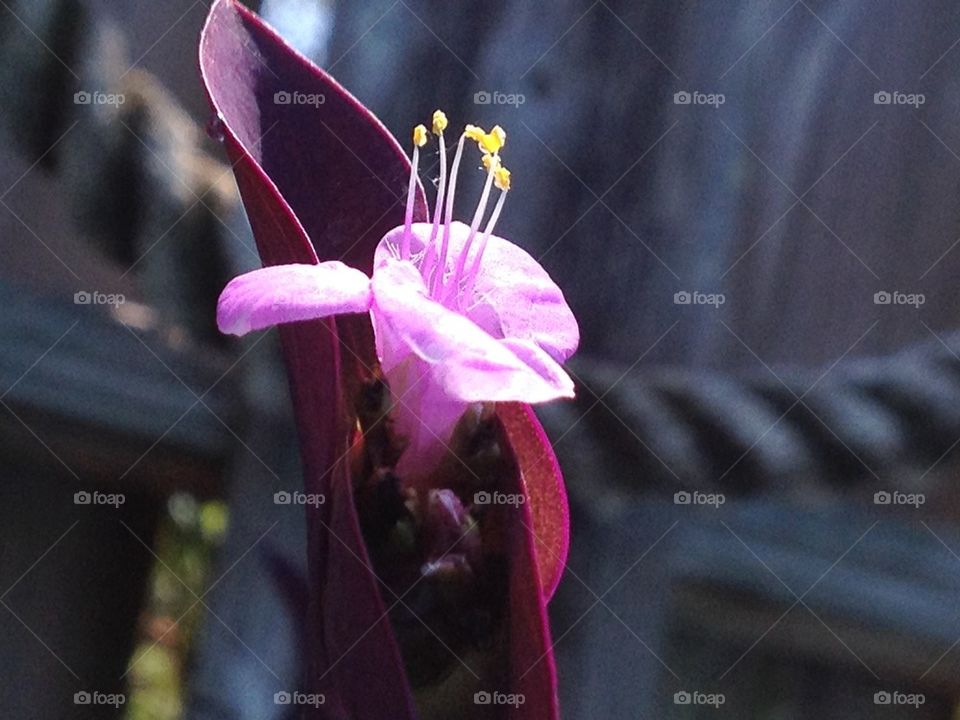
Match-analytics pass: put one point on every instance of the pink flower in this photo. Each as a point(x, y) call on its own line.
point(308, 200)
point(460, 316)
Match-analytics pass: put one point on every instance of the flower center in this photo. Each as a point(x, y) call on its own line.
point(426, 543)
point(449, 279)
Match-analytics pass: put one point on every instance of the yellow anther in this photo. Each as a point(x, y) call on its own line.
point(501, 178)
point(488, 158)
point(492, 141)
point(439, 122)
point(474, 133)
point(420, 136)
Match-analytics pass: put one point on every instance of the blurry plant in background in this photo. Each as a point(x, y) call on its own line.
point(189, 534)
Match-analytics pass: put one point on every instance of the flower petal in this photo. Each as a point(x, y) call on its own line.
point(513, 295)
point(538, 360)
point(288, 293)
point(468, 363)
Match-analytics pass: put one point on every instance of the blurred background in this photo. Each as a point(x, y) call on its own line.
point(752, 208)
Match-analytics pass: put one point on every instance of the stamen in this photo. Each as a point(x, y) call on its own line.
point(448, 218)
point(420, 136)
point(419, 140)
point(492, 163)
point(502, 178)
point(439, 122)
point(441, 189)
point(493, 141)
point(434, 262)
point(430, 256)
point(471, 277)
point(474, 132)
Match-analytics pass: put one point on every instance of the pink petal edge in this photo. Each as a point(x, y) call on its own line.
point(289, 293)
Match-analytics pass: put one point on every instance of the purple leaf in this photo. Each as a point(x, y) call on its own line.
point(305, 172)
